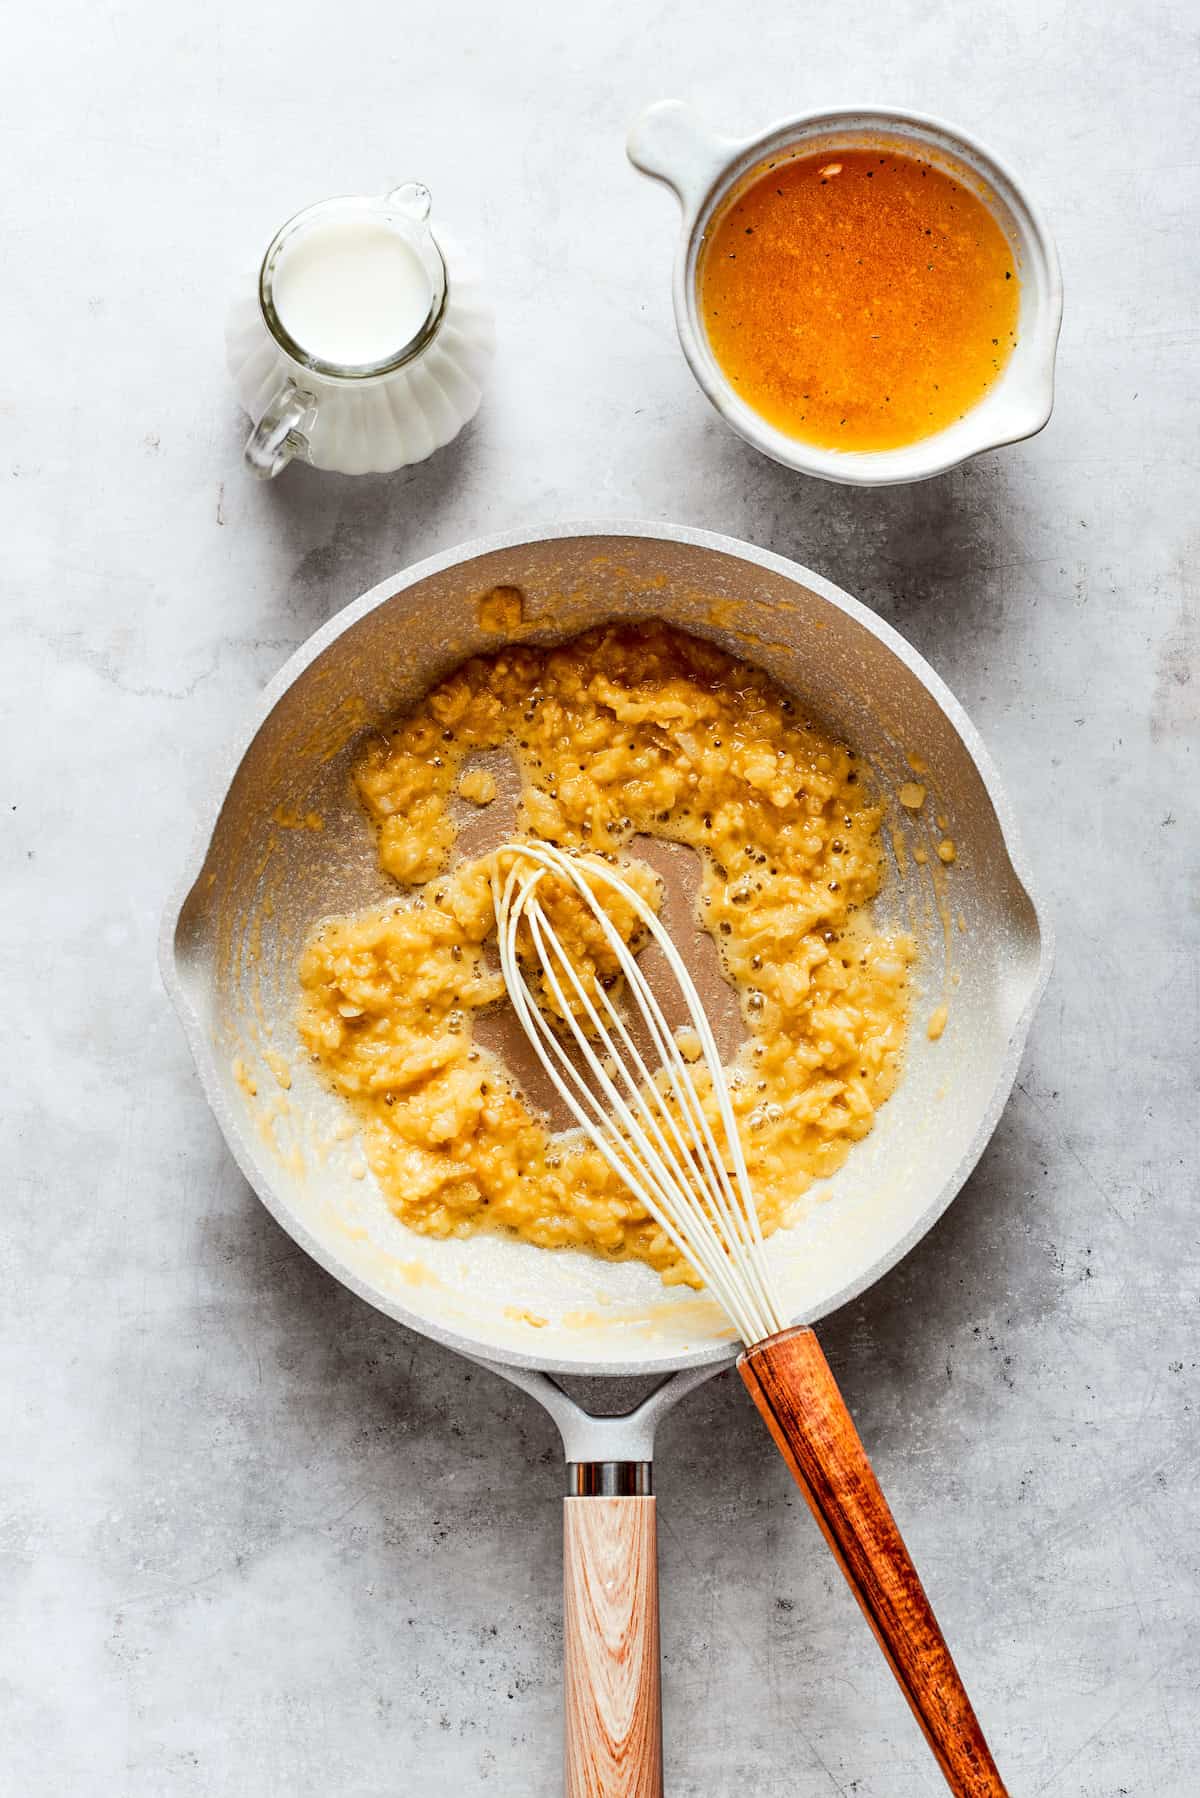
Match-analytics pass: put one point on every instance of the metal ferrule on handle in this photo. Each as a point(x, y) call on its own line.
point(610, 1479)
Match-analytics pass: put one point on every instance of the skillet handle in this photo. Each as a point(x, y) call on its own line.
point(613, 1700)
point(790, 1381)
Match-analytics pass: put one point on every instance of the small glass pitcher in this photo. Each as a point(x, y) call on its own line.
point(414, 392)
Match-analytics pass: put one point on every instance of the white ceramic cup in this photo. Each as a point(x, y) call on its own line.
point(672, 144)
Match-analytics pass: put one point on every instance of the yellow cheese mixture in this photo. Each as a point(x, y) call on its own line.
point(626, 730)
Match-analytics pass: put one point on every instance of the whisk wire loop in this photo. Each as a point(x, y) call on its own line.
point(714, 1183)
point(669, 1179)
point(654, 1132)
point(582, 1102)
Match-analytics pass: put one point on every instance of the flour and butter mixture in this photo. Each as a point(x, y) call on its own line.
point(626, 731)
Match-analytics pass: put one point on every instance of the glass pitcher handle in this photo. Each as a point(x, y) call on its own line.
point(279, 434)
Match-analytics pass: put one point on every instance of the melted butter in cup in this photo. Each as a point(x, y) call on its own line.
point(860, 299)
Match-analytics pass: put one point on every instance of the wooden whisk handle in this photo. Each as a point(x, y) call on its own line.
point(613, 1703)
point(790, 1381)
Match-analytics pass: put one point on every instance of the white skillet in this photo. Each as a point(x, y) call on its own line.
point(259, 878)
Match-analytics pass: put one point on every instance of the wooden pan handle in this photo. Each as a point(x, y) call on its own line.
point(789, 1380)
point(613, 1743)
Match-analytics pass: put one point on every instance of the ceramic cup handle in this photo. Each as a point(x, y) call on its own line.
point(279, 434)
point(672, 143)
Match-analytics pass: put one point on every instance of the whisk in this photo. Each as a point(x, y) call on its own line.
point(645, 1114)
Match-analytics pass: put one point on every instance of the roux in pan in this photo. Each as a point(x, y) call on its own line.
point(625, 731)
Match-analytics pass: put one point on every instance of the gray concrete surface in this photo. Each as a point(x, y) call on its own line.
point(256, 1539)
